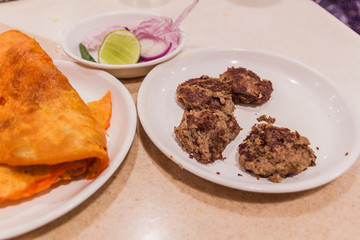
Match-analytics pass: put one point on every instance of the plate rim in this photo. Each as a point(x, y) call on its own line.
point(96, 183)
point(255, 187)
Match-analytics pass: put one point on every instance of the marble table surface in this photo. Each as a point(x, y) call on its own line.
point(149, 196)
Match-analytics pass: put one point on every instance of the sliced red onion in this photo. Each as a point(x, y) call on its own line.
point(153, 47)
point(159, 28)
point(163, 30)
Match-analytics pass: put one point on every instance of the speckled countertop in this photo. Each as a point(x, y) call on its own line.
point(149, 196)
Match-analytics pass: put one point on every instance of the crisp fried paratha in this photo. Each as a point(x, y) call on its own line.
point(24, 181)
point(47, 132)
point(101, 110)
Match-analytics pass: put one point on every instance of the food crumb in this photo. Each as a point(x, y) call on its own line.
point(225, 14)
point(171, 157)
point(239, 174)
point(346, 153)
point(55, 20)
point(317, 148)
point(265, 118)
point(218, 173)
point(181, 166)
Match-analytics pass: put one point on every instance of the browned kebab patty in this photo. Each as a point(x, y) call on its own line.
point(206, 133)
point(246, 86)
point(275, 152)
point(205, 93)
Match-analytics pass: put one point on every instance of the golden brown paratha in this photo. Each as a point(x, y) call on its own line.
point(43, 122)
point(101, 110)
point(25, 181)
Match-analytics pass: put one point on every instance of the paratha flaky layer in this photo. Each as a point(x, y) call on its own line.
point(25, 181)
point(43, 120)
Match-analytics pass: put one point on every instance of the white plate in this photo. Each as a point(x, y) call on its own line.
point(23, 216)
point(302, 100)
point(77, 32)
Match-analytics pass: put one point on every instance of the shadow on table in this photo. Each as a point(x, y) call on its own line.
point(242, 202)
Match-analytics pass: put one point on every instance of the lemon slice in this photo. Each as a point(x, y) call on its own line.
point(119, 47)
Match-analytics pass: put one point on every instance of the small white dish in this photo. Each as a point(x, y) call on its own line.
point(22, 216)
point(76, 33)
point(302, 100)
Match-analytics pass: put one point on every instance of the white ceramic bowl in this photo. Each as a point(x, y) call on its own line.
point(76, 33)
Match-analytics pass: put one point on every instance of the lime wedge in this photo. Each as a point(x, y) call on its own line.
point(119, 47)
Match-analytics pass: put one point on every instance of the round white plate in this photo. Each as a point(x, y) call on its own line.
point(22, 216)
point(76, 33)
point(303, 100)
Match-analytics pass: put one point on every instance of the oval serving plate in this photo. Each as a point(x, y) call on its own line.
point(303, 100)
point(21, 216)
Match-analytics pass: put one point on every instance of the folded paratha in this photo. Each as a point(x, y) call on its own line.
point(101, 110)
point(47, 132)
point(25, 181)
